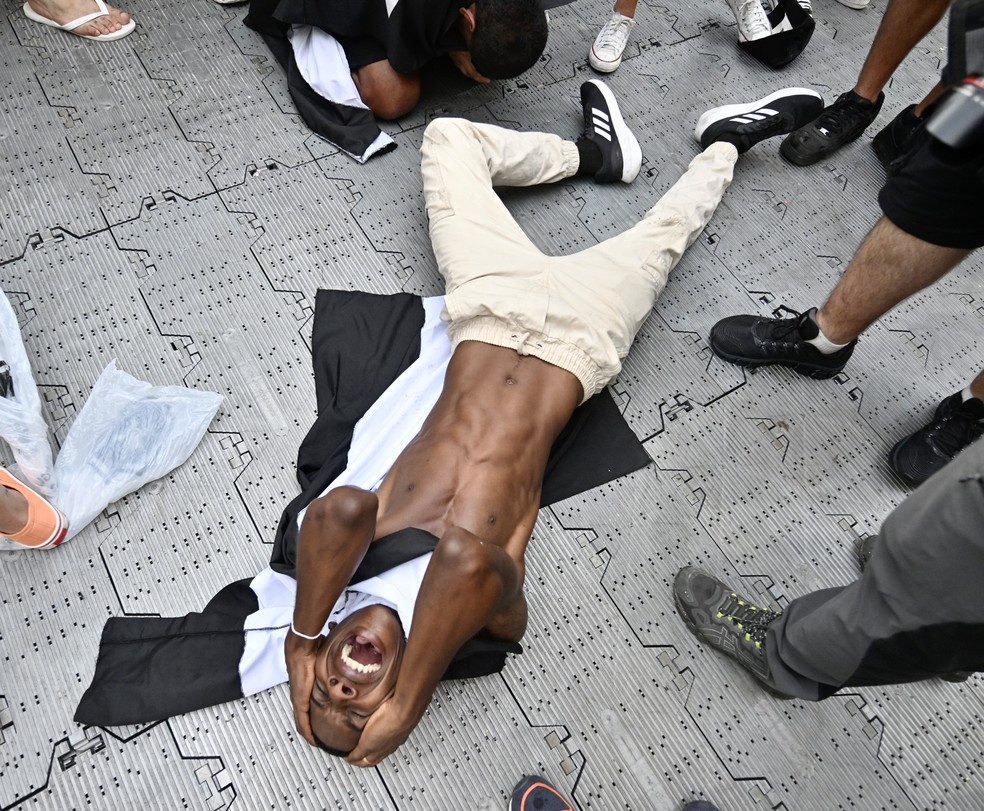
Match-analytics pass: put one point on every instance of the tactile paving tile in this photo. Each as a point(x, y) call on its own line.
point(35, 140)
point(165, 205)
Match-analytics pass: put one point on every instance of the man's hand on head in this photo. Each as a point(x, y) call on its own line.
point(387, 728)
point(463, 62)
point(301, 654)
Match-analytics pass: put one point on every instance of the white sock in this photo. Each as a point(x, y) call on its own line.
point(823, 343)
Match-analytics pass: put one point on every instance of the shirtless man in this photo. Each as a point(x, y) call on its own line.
point(533, 337)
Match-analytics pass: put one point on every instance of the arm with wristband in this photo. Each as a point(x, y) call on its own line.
point(334, 536)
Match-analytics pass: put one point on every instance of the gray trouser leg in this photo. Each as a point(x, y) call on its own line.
point(916, 612)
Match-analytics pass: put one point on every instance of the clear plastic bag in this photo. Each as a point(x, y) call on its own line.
point(127, 434)
point(21, 424)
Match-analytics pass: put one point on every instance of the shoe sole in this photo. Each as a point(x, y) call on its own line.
point(596, 64)
point(716, 114)
point(805, 369)
point(627, 142)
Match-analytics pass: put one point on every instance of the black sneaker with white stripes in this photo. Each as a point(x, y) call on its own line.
point(744, 125)
point(603, 125)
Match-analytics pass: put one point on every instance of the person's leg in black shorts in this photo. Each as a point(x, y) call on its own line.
point(933, 209)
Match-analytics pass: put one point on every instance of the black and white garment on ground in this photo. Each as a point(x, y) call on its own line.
point(792, 27)
point(378, 361)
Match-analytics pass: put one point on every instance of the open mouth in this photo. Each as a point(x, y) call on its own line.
point(361, 655)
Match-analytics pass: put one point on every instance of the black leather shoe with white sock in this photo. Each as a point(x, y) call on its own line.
point(744, 125)
point(752, 341)
point(604, 126)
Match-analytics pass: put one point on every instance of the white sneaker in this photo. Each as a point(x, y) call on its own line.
point(859, 4)
point(606, 52)
point(753, 22)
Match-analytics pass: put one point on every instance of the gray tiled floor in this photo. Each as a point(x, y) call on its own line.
point(162, 204)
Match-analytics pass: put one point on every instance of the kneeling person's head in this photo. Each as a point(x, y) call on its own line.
point(355, 672)
point(508, 37)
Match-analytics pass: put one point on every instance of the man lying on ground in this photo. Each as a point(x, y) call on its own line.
point(533, 337)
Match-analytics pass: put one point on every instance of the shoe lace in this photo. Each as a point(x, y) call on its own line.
point(955, 430)
point(782, 328)
point(752, 20)
point(750, 619)
point(843, 112)
point(615, 32)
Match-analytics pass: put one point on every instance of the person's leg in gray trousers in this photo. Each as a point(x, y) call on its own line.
point(915, 612)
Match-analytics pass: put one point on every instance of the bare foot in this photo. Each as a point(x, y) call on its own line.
point(13, 511)
point(64, 11)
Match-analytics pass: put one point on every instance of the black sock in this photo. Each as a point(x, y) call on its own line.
point(590, 157)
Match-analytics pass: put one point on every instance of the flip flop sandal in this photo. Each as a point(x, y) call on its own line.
point(70, 27)
point(46, 527)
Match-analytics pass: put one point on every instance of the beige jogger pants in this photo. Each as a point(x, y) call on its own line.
point(580, 312)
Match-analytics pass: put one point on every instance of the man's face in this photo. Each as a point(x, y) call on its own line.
point(355, 672)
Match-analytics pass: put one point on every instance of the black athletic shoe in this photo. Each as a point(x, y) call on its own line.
point(839, 124)
point(744, 125)
point(603, 125)
point(893, 140)
point(752, 341)
point(537, 794)
point(954, 426)
point(722, 619)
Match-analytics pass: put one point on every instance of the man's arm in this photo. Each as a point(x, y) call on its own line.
point(468, 584)
point(335, 534)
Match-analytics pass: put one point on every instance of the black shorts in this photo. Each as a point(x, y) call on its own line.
point(936, 193)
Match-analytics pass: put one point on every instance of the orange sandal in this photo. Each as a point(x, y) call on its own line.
point(46, 526)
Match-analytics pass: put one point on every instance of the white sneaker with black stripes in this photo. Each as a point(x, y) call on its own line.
point(744, 125)
point(603, 125)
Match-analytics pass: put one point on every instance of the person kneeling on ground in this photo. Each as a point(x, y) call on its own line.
point(386, 48)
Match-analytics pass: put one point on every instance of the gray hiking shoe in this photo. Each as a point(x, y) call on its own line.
point(723, 619)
